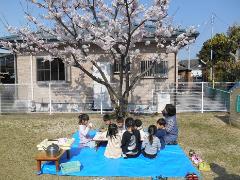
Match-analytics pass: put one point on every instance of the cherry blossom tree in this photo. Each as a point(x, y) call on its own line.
point(115, 27)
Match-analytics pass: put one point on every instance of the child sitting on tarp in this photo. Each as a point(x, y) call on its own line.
point(151, 145)
point(120, 125)
point(138, 126)
point(169, 114)
point(106, 120)
point(161, 131)
point(131, 145)
point(84, 127)
point(113, 149)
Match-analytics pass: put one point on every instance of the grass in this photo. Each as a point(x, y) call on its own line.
point(208, 134)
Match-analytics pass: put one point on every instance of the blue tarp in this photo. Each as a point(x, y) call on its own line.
point(170, 162)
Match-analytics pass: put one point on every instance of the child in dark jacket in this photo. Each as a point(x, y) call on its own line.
point(138, 126)
point(131, 145)
point(161, 131)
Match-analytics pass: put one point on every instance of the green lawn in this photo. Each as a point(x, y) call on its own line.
point(208, 134)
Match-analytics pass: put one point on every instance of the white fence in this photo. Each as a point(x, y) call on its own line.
point(55, 98)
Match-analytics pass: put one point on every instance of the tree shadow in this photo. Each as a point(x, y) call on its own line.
point(224, 118)
point(222, 173)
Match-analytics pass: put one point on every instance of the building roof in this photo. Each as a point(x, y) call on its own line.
point(2, 56)
point(4, 53)
point(182, 68)
point(41, 35)
point(195, 64)
point(52, 38)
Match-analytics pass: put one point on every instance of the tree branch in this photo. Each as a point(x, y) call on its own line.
point(140, 24)
point(116, 11)
point(105, 83)
point(105, 79)
point(61, 22)
point(127, 47)
point(138, 77)
point(87, 72)
point(71, 19)
point(92, 8)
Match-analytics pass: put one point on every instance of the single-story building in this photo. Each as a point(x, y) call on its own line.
point(56, 86)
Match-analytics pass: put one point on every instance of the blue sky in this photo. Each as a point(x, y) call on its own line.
point(185, 12)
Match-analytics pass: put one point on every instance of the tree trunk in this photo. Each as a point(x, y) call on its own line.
point(122, 109)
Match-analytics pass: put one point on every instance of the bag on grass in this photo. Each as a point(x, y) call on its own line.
point(196, 159)
point(204, 166)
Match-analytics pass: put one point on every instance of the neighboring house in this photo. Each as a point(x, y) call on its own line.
point(190, 70)
point(71, 89)
point(184, 74)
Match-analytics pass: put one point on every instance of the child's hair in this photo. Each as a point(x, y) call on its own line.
point(82, 118)
point(129, 122)
point(161, 121)
point(138, 122)
point(152, 129)
point(106, 117)
point(112, 130)
point(171, 109)
point(120, 120)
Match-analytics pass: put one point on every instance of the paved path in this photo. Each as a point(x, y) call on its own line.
point(189, 102)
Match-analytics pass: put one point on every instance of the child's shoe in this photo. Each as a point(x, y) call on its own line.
point(191, 176)
point(124, 156)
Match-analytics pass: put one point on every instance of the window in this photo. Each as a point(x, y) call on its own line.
point(50, 71)
point(158, 70)
point(7, 69)
point(116, 67)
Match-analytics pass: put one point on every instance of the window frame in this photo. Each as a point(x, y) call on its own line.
point(7, 64)
point(115, 64)
point(144, 64)
point(44, 69)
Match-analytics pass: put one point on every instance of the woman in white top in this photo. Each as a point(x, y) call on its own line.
point(113, 149)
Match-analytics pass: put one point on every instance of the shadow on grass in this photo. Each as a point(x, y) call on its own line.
point(224, 118)
point(222, 173)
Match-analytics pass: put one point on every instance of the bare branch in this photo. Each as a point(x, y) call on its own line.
point(140, 24)
point(116, 11)
point(136, 78)
point(77, 64)
point(107, 84)
point(92, 8)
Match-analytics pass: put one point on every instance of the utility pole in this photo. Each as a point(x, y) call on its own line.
point(189, 57)
point(212, 68)
point(189, 65)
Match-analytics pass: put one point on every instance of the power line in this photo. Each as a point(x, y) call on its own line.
point(220, 19)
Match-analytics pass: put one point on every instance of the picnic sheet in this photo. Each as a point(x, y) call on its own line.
point(170, 162)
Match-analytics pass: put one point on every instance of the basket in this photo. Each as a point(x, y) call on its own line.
point(70, 167)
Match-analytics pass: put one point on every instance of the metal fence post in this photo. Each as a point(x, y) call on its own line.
point(202, 99)
point(101, 101)
point(0, 99)
point(50, 99)
point(152, 98)
point(31, 74)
